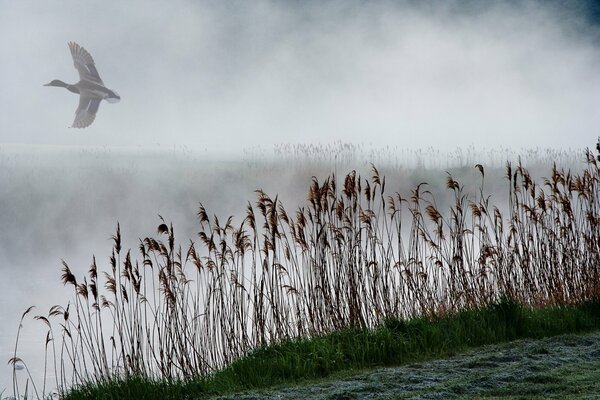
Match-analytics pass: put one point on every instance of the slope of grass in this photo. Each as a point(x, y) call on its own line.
point(396, 342)
point(558, 367)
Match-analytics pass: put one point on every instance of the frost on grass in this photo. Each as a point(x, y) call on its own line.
point(557, 367)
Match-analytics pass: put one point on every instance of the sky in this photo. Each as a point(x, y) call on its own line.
point(224, 76)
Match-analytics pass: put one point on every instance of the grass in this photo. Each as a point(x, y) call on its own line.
point(396, 342)
point(558, 383)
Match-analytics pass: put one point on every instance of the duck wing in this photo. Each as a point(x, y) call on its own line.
point(84, 63)
point(86, 112)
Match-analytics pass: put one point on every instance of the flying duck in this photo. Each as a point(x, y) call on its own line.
point(90, 87)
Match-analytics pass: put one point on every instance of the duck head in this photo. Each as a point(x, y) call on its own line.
point(57, 82)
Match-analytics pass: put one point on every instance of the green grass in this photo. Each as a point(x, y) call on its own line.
point(394, 343)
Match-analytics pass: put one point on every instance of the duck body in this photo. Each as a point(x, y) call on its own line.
point(90, 88)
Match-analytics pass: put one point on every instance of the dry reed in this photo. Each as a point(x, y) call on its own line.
point(354, 255)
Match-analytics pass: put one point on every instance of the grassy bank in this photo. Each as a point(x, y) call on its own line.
point(396, 342)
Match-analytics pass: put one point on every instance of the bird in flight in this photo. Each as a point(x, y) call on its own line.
point(90, 88)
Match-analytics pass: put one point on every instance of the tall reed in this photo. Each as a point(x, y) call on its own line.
point(354, 255)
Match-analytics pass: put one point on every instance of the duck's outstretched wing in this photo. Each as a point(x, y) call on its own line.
point(86, 112)
point(84, 63)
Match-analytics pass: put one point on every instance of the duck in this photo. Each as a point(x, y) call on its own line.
point(90, 88)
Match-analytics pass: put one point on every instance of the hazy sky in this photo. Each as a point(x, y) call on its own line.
point(228, 75)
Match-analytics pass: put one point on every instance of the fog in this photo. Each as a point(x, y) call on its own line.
point(222, 76)
point(208, 88)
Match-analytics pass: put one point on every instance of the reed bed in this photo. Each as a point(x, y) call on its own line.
point(345, 154)
point(355, 255)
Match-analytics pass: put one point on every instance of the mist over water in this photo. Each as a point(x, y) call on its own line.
point(224, 76)
point(208, 88)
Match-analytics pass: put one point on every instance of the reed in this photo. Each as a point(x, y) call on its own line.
point(353, 256)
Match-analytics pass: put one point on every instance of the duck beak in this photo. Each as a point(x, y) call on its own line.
point(47, 84)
